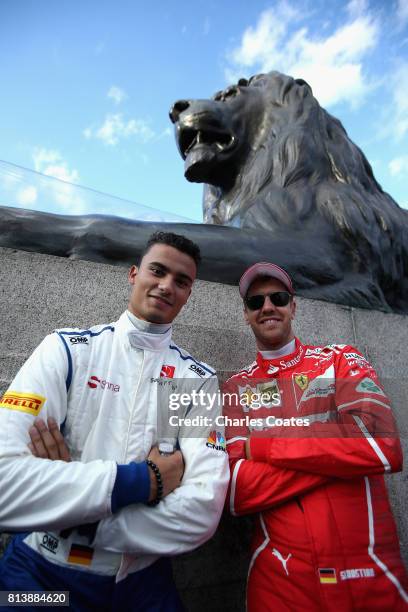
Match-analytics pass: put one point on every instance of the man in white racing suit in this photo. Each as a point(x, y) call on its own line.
point(98, 525)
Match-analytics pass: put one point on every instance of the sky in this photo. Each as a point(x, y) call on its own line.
point(87, 86)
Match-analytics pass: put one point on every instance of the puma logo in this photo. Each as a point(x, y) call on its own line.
point(284, 562)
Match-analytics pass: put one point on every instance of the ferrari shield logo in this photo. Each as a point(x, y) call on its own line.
point(302, 381)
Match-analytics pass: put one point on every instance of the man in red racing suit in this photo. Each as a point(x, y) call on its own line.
point(310, 434)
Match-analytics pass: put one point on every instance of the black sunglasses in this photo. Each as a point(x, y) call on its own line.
point(278, 298)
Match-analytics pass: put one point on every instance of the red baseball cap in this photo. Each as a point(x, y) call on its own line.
point(263, 268)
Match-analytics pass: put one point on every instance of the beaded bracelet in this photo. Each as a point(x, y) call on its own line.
point(159, 480)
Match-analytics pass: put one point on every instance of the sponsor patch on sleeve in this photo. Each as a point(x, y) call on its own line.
point(22, 402)
point(367, 385)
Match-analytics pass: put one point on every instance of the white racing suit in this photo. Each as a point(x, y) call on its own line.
point(102, 385)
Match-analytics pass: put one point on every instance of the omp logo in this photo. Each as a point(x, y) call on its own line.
point(216, 441)
point(195, 368)
point(78, 340)
point(22, 402)
point(49, 542)
point(167, 371)
point(94, 383)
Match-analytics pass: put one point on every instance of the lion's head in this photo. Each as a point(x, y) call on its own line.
point(272, 158)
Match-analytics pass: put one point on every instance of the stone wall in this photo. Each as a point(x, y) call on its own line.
point(40, 293)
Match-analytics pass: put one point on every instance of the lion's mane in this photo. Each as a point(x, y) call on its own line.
point(302, 171)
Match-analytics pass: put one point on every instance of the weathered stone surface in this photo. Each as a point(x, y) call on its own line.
point(40, 293)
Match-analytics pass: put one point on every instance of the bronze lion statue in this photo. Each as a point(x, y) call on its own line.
point(275, 161)
point(283, 182)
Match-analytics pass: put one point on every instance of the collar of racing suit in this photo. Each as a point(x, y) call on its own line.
point(282, 352)
point(147, 326)
point(145, 335)
point(282, 363)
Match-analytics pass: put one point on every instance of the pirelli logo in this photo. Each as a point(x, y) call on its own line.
point(23, 402)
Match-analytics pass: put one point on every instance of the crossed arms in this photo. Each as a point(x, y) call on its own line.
point(43, 494)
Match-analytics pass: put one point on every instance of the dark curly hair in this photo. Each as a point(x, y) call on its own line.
point(181, 243)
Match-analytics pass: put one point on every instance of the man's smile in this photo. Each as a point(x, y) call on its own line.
point(269, 321)
point(161, 299)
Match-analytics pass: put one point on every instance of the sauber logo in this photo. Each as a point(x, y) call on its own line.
point(94, 383)
point(167, 371)
point(23, 402)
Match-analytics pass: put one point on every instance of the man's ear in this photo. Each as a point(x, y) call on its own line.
point(246, 316)
point(133, 272)
point(293, 309)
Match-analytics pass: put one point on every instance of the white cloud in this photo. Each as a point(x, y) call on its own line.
point(116, 94)
point(27, 196)
point(398, 165)
point(115, 128)
point(51, 163)
point(332, 65)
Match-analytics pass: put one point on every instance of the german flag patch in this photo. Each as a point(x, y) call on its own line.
point(81, 555)
point(327, 575)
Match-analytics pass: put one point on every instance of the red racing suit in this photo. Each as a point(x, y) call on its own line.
point(322, 435)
